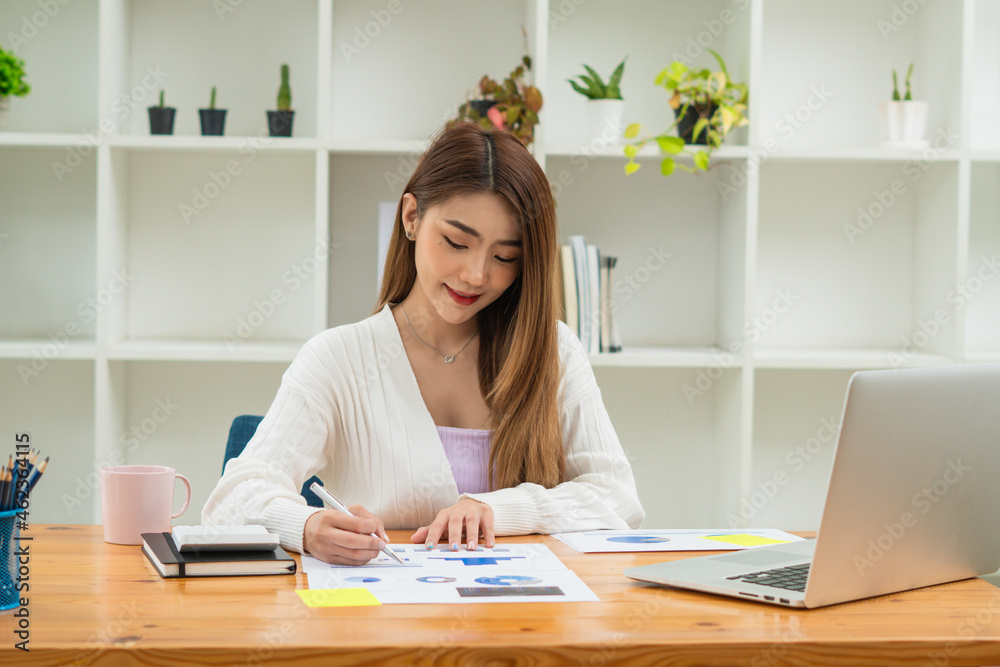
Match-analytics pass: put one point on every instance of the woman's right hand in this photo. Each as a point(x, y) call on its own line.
point(341, 539)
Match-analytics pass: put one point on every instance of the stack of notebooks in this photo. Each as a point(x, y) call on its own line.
point(214, 551)
point(585, 281)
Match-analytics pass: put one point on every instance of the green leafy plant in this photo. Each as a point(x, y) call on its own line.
point(211, 102)
point(161, 99)
point(720, 105)
point(594, 87)
point(908, 96)
point(515, 102)
point(12, 75)
point(284, 91)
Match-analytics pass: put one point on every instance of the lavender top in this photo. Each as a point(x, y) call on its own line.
point(468, 452)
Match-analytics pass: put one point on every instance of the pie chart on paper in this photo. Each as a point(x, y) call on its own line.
point(508, 580)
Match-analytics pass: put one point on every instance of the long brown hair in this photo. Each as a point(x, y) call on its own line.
point(518, 348)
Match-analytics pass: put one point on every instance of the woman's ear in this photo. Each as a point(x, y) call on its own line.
point(409, 214)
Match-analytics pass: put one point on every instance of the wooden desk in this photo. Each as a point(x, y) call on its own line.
point(93, 603)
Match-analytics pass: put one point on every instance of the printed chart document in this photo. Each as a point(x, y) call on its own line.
point(506, 573)
point(610, 541)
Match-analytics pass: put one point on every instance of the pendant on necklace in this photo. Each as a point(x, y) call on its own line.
point(448, 358)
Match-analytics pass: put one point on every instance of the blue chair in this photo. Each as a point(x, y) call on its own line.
point(240, 433)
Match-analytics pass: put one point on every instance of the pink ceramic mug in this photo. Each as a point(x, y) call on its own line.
point(138, 499)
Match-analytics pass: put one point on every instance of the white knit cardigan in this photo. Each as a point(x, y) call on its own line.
point(349, 410)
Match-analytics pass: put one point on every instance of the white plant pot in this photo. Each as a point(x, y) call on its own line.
point(904, 124)
point(4, 110)
point(605, 117)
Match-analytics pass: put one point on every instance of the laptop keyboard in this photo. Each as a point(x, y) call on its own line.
point(791, 578)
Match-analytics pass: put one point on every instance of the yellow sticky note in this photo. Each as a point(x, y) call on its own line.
point(744, 540)
point(338, 597)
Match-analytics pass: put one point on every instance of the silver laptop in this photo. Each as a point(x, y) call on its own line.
point(913, 498)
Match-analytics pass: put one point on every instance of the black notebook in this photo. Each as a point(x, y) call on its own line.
point(162, 553)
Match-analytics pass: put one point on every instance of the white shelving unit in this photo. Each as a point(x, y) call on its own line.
point(162, 284)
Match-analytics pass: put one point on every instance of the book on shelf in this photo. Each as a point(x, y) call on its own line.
point(594, 298)
point(571, 313)
point(587, 294)
point(579, 245)
point(162, 553)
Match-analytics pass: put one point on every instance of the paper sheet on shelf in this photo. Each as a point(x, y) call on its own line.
point(610, 541)
point(507, 573)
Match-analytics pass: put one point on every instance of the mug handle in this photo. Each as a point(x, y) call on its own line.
point(187, 500)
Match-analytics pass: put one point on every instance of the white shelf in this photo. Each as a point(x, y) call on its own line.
point(185, 350)
point(989, 156)
point(863, 154)
point(375, 147)
point(983, 357)
point(649, 151)
point(847, 359)
point(189, 143)
point(666, 357)
point(42, 140)
point(48, 349)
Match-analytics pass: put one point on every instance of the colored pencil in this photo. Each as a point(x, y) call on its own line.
point(35, 476)
point(5, 483)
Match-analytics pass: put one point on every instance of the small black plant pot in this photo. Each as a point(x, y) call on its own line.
point(482, 106)
point(213, 122)
point(279, 123)
point(687, 121)
point(161, 120)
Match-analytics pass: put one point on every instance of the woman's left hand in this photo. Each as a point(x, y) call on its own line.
point(467, 515)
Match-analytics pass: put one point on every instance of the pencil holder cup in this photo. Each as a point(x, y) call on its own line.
point(9, 540)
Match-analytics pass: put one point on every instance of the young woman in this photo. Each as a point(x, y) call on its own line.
point(462, 407)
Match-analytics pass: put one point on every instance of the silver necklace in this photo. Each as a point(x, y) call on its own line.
point(448, 358)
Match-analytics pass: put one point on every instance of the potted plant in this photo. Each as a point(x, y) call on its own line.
point(12, 82)
point(903, 120)
point(279, 123)
point(161, 118)
point(707, 106)
point(605, 106)
point(213, 121)
point(512, 103)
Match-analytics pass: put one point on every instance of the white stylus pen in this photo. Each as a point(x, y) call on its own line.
point(330, 500)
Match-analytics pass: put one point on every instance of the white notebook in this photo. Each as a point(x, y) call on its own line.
point(223, 538)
